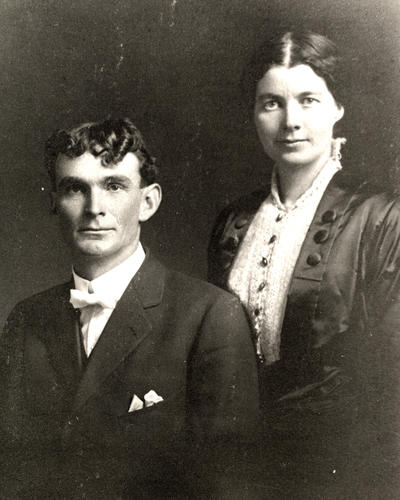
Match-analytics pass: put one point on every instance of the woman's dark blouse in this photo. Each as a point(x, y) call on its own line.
point(335, 392)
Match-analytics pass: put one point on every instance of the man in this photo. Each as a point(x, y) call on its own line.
point(121, 380)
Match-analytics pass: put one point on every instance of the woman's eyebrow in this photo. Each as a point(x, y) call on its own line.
point(268, 95)
point(310, 92)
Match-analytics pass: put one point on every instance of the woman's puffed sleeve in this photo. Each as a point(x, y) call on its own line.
point(383, 372)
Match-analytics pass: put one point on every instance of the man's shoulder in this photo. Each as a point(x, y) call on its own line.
point(155, 275)
point(45, 299)
point(195, 289)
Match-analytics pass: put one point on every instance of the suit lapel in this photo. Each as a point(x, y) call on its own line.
point(125, 330)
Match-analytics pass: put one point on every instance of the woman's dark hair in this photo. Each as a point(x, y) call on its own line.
point(291, 49)
point(110, 139)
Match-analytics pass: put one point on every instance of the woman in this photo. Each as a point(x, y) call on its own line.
point(316, 262)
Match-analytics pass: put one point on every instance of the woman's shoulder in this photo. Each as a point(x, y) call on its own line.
point(248, 203)
point(379, 202)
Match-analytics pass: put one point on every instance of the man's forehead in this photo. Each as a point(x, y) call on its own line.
point(89, 166)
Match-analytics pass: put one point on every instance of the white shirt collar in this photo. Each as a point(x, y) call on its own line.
point(115, 281)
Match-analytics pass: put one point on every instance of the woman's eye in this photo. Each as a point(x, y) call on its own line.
point(308, 101)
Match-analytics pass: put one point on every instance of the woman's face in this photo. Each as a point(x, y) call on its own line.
point(294, 115)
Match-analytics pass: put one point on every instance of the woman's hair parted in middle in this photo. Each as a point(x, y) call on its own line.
point(291, 49)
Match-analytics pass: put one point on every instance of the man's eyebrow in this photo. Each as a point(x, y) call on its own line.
point(68, 180)
point(123, 179)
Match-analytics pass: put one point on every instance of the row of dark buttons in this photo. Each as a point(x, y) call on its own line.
point(312, 260)
point(321, 236)
point(327, 217)
point(242, 221)
point(233, 242)
point(264, 260)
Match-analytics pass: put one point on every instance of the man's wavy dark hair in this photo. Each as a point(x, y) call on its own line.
point(110, 139)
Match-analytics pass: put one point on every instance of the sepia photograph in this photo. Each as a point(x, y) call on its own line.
point(200, 249)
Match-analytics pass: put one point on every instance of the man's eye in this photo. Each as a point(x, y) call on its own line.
point(114, 187)
point(271, 105)
point(74, 189)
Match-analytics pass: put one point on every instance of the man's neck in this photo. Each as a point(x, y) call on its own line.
point(90, 268)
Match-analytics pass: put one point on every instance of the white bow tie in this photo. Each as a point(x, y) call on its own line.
point(80, 299)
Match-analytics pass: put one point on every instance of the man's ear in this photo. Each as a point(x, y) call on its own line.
point(151, 199)
point(53, 203)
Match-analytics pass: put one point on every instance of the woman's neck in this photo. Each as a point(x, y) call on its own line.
point(293, 181)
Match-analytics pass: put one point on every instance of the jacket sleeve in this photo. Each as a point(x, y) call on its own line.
point(22, 459)
point(223, 400)
point(380, 457)
point(219, 251)
point(228, 231)
point(11, 376)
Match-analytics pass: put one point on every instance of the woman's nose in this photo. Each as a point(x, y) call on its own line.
point(95, 203)
point(292, 117)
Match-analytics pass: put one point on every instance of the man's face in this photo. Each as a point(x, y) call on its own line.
point(99, 207)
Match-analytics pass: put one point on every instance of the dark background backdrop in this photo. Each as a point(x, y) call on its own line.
point(174, 67)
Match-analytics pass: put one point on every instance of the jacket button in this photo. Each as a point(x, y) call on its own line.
point(261, 286)
point(231, 243)
point(240, 222)
point(329, 216)
point(387, 274)
point(321, 236)
point(314, 259)
point(272, 239)
point(264, 261)
point(261, 358)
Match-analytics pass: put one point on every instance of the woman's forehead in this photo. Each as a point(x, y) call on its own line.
point(295, 80)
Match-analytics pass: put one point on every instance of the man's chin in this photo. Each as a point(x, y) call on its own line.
point(95, 251)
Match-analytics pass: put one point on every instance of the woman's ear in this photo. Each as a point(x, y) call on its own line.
point(151, 199)
point(340, 112)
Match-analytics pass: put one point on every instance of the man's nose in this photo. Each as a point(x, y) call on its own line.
point(95, 203)
point(292, 119)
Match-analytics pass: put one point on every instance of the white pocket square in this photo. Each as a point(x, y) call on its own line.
point(150, 399)
point(136, 404)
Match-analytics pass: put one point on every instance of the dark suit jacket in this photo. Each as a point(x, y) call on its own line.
point(183, 338)
point(333, 399)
